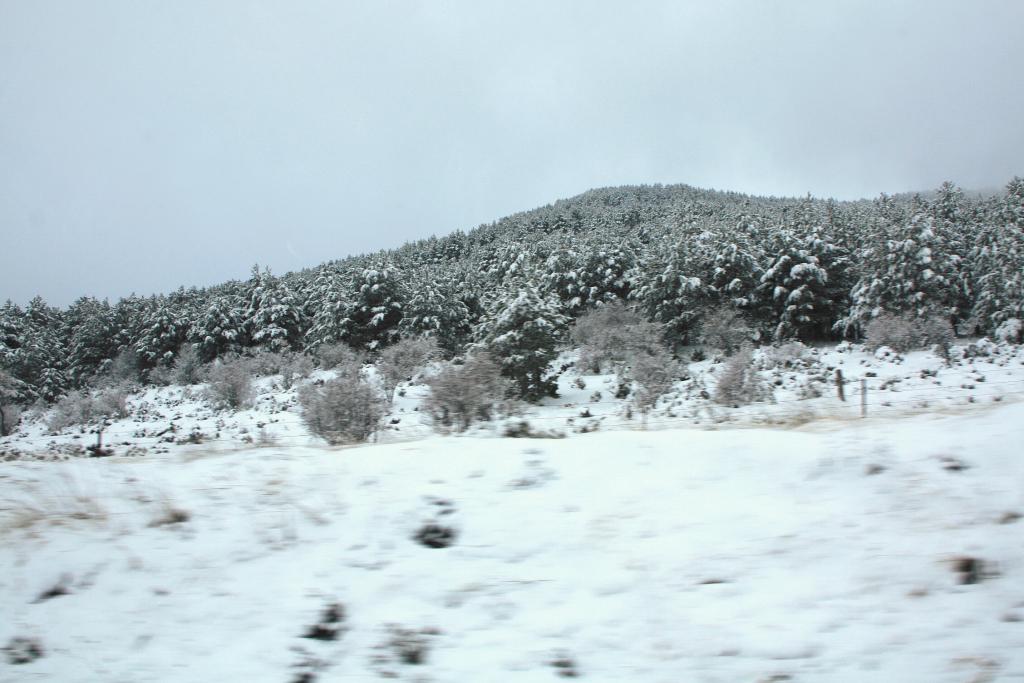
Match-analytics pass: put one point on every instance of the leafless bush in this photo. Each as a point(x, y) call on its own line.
point(84, 408)
point(187, 368)
point(230, 384)
point(738, 381)
point(264, 362)
point(296, 367)
point(343, 410)
point(654, 374)
point(123, 369)
point(791, 354)
point(10, 416)
point(904, 333)
point(399, 362)
point(335, 355)
point(10, 413)
point(111, 402)
point(611, 334)
point(725, 330)
point(1010, 331)
point(462, 394)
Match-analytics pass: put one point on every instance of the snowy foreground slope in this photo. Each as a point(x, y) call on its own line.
point(821, 553)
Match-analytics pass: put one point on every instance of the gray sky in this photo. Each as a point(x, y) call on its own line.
point(150, 144)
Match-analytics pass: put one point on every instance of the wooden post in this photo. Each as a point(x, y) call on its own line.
point(839, 385)
point(863, 397)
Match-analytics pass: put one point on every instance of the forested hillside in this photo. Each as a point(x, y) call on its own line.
point(806, 268)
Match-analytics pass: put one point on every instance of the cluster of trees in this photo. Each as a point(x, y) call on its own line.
point(802, 269)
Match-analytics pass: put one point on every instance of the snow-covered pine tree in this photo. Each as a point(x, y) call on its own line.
point(670, 289)
point(92, 335)
point(328, 300)
point(595, 272)
point(912, 273)
point(378, 299)
point(273, 313)
point(219, 328)
point(436, 309)
point(794, 291)
point(523, 334)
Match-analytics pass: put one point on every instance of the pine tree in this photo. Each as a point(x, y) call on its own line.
point(273, 315)
point(220, 327)
point(436, 309)
point(372, 317)
point(912, 273)
point(92, 335)
point(523, 333)
point(328, 301)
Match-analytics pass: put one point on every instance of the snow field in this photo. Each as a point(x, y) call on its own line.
point(668, 555)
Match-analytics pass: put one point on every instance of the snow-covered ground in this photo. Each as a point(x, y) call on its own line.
point(811, 545)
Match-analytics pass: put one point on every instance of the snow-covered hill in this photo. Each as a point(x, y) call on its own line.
point(803, 549)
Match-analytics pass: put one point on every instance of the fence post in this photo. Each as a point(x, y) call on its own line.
point(863, 397)
point(839, 385)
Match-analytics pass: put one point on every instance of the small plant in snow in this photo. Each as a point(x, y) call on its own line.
point(343, 410)
point(611, 334)
point(792, 354)
point(653, 375)
point(903, 333)
point(85, 408)
point(739, 382)
point(230, 384)
point(463, 394)
point(1010, 331)
point(725, 330)
point(401, 361)
point(187, 368)
point(336, 355)
point(296, 367)
point(10, 413)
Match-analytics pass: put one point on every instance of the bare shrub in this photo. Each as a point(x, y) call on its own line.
point(1010, 331)
point(342, 410)
point(653, 374)
point(111, 402)
point(264, 362)
point(791, 354)
point(84, 408)
point(611, 334)
point(187, 368)
point(10, 413)
point(72, 409)
point(399, 362)
point(739, 382)
point(230, 384)
point(335, 355)
point(904, 333)
point(10, 416)
point(462, 394)
point(124, 369)
point(297, 367)
point(726, 330)
point(23, 650)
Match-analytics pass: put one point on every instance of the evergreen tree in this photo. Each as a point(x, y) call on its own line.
point(93, 337)
point(373, 315)
point(436, 309)
point(220, 327)
point(523, 333)
point(273, 315)
point(329, 299)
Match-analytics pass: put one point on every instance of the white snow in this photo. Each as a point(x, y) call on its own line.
point(821, 552)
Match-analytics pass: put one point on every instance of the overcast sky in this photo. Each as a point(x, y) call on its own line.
point(150, 144)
